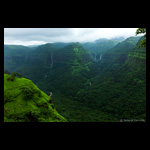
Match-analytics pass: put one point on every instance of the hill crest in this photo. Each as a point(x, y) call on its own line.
point(25, 102)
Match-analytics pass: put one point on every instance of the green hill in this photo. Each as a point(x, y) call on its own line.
point(109, 89)
point(25, 102)
point(74, 57)
point(119, 87)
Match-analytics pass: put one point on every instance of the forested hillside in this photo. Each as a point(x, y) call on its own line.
point(120, 88)
point(101, 81)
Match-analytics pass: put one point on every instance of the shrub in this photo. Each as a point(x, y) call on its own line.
point(19, 75)
point(28, 93)
point(6, 72)
point(15, 74)
point(11, 78)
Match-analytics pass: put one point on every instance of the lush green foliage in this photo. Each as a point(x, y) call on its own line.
point(107, 90)
point(142, 31)
point(24, 102)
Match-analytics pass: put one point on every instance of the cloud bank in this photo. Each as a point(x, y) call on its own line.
point(37, 36)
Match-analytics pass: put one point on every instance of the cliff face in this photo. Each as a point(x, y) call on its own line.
point(24, 102)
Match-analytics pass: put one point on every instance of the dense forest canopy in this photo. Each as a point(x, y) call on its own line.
point(100, 81)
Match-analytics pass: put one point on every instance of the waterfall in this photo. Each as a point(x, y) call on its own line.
point(51, 60)
point(100, 57)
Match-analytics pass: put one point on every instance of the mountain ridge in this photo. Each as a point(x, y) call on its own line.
point(110, 85)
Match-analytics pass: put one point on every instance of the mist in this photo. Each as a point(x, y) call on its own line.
point(37, 36)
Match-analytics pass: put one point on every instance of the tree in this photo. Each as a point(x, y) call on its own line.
point(6, 72)
point(15, 74)
point(142, 31)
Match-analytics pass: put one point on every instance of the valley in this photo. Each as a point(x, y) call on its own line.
point(100, 81)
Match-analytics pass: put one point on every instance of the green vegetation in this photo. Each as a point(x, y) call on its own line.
point(100, 45)
point(84, 90)
point(24, 102)
point(142, 31)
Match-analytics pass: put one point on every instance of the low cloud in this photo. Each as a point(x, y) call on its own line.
point(37, 36)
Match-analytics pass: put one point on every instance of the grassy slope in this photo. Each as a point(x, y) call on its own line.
point(20, 108)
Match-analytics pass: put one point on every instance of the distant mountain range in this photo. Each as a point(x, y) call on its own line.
point(104, 80)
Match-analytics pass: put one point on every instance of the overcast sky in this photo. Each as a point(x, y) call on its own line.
point(37, 36)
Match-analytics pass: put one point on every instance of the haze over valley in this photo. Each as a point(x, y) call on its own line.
point(74, 75)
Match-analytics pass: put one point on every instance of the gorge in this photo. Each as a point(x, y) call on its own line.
point(101, 81)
